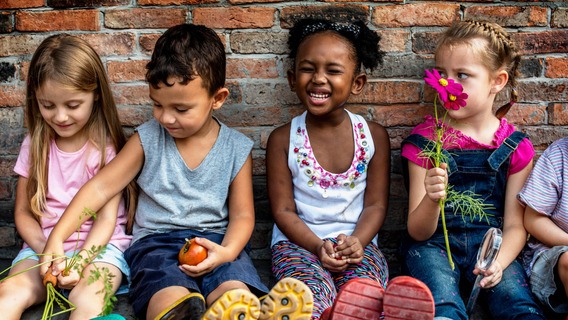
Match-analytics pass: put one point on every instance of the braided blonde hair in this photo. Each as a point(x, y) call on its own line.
point(498, 53)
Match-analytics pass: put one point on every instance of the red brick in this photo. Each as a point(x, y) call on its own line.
point(430, 14)
point(527, 114)
point(252, 68)
point(85, 3)
point(542, 136)
point(131, 95)
point(234, 17)
point(5, 194)
point(133, 117)
point(173, 2)
point(550, 90)
point(11, 96)
point(7, 236)
point(558, 114)
point(397, 134)
point(270, 94)
point(107, 44)
point(559, 18)
point(509, 16)
point(240, 116)
point(236, 2)
point(144, 18)
point(394, 41)
point(19, 44)
point(258, 164)
point(338, 12)
point(58, 20)
point(147, 43)
point(556, 67)
point(20, 4)
point(7, 167)
point(425, 42)
point(257, 42)
point(401, 114)
point(128, 70)
point(542, 42)
point(6, 25)
point(235, 92)
point(389, 92)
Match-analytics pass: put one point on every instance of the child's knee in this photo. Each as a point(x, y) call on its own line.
point(563, 267)
point(224, 287)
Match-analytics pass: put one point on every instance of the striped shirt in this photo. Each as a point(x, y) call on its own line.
point(544, 190)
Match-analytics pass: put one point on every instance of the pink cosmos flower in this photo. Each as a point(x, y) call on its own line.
point(445, 87)
point(455, 102)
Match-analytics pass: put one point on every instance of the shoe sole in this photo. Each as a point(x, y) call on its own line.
point(289, 299)
point(359, 299)
point(238, 304)
point(407, 298)
point(189, 307)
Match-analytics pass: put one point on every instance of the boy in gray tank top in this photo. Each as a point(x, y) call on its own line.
point(195, 179)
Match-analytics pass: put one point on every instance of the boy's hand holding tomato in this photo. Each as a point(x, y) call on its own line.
point(215, 256)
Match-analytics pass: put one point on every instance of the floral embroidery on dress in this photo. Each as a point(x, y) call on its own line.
point(324, 179)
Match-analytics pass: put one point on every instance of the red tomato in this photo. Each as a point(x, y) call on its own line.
point(192, 253)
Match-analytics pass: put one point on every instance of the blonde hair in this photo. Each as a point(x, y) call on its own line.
point(72, 63)
point(499, 52)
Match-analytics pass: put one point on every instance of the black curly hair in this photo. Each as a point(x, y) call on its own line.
point(364, 40)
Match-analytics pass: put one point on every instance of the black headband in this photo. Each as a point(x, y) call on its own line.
point(350, 29)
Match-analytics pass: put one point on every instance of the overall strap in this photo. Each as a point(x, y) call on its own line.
point(426, 144)
point(507, 147)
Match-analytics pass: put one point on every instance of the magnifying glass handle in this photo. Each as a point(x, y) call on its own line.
point(473, 296)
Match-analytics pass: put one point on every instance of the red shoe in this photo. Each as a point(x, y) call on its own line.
point(359, 299)
point(407, 298)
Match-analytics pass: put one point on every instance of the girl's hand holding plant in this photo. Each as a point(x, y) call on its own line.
point(435, 182)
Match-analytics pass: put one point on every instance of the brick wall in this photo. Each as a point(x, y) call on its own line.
point(254, 33)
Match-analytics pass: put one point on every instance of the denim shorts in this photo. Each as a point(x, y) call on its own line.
point(545, 282)
point(111, 256)
point(154, 266)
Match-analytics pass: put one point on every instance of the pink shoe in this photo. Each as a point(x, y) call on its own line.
point(407, 298)
point(359, 299)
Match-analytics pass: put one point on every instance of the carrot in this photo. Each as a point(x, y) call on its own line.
point(49, 278)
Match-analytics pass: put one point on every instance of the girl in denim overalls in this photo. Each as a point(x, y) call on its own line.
point(487, 156)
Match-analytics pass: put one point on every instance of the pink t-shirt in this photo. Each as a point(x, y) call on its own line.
point(520, 158)
point(67, 173)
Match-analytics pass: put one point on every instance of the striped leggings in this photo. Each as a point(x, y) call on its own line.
point(291, 260)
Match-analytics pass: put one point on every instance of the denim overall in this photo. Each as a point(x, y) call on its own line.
point(483, 172)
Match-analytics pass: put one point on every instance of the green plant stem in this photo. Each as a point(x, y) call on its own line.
point(54, 296)
point(442, 202)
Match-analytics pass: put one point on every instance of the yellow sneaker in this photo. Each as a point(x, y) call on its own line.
point(237, 304)
point(289, 299)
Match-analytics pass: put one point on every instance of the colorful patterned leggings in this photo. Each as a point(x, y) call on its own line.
point(291, 260)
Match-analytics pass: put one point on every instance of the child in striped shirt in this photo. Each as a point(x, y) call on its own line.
point(546, 219)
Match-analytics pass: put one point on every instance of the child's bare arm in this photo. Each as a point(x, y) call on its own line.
point(376, 197)
point(105, 185)
point(544, 229)
point(426, 188)
point(239, 229)
point(26, 224)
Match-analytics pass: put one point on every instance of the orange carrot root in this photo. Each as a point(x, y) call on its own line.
point(49, 278)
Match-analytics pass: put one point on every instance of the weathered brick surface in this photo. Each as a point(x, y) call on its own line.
point(431, 14)
point(85, 3)
point(542, 42)
point(341, 12)
point(526, 16)
point(144, 18)
point(125, 71)
point(20, 4)
point(255, 33)
point(58, 20)
point(233, 17)
point(560, 18)
point(6, 24)
point(556, 67)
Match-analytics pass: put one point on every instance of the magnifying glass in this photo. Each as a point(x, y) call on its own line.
point(488, 251)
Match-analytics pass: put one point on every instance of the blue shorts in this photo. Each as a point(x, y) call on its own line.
point(154, 266)
point(111, 256)
point(545, 281)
